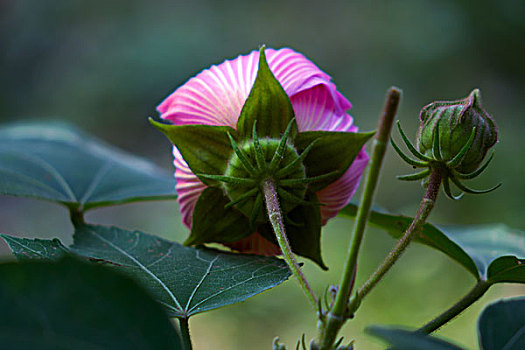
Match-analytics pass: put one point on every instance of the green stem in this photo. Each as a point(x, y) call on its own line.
point(425, 207)
point(276, 219)
point(477, 292)
point(337, 315)
point(185, 333)
point(77, 216)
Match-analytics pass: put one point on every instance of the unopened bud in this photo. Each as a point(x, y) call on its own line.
point(454, 122)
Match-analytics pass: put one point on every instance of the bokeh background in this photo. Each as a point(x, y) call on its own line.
point(105, 65)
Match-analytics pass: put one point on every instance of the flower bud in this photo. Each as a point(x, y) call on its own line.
point(454, 123)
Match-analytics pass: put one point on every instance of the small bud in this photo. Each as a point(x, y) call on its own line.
point(454, 122)
point(453, 139)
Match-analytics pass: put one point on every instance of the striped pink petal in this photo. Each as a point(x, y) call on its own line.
point(216, 96)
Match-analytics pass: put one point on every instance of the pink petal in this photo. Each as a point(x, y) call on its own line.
point(216, 95)
point(315, 109)
point(188, 187)
point(338, 194)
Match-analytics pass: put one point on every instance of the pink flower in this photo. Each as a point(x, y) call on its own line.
point(216, 96)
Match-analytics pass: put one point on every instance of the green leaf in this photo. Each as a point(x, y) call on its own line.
point(212, 222)
point(494, 253)
point(58, 163)
point(74, 305)
point(501, 325)
point(305, 239)
point(267, 104)
point(401, 339)
point(185, 280)
point(31, 249)
point(331, 152)
point(206, 148)
point(497, 250)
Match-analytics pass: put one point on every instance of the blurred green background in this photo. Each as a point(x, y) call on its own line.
point(105, 65)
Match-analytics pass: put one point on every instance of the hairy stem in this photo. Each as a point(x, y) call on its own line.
point(470, 298)
point(425, 207)
point(185, 333)
point(276, 219)
point(337, 315)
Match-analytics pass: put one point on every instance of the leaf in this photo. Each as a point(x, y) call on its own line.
point(206, 148)
point(501, 325)
point(31, 249)
point(332, 152)
point(494, 253)
point(59, 163)
point(430, 235)
point(74, 305)
point(185, 280)
point(497, 250)
point(401, 339)
point(212, 222)
point(267, 105)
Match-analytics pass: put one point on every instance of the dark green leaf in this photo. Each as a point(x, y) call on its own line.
point(31, 249)
point(214, 223)
point(429, 235)
point(74, 305)
point(59, 163)
point(501, 325)
point(497, 250)
point(401, 339)
point(494, 253)
point(332, 152)
point(305, 238)
point(268, 105)
point(206, 148)
point(185, 280)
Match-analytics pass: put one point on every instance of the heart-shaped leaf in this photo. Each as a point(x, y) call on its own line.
point(58, 163)
point(332, 152)
point(35, 249)
point(74, 305)
point(401, 339)
point(493, 253)
point(185, 280)
point(502, 325)
point(267, 105)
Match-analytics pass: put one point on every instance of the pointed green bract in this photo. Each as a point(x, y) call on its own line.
point(332, 152)
point(214, 221)
point(268, 104)
point(205, 148)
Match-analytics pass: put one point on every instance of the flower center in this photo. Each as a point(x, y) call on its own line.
point(259, 160)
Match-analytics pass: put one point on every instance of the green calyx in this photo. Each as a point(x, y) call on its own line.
point(258, 160)
point(265, 144)
point(454, 138)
